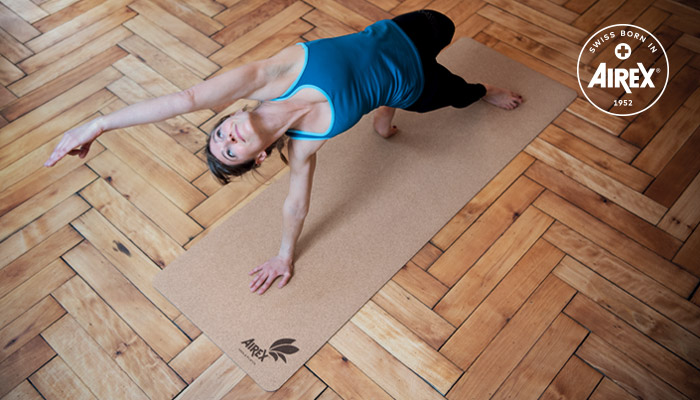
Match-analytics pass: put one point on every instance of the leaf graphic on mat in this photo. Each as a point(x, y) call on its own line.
point(282, 357)
point(274, 355)
point(282, 341)
point(285, 349)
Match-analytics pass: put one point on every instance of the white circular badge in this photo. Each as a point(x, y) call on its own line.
point(622, 69)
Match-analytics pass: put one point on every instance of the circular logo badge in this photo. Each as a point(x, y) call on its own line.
point(622, 69)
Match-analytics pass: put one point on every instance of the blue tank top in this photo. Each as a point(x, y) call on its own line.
point(357, 73)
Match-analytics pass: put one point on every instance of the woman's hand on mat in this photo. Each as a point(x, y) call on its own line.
point(268, 272)
point(76, 141)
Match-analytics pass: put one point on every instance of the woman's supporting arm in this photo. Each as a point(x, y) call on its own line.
point(294, 211)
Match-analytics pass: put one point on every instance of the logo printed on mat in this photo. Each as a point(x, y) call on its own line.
point(277, 351)
point(622, 70)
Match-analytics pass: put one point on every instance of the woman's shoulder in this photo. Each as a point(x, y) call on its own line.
point(281, 70)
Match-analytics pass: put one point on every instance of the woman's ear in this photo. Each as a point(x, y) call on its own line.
point(261, 157)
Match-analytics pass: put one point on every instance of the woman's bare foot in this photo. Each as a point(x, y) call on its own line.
point(502, 98)
point(382, 122)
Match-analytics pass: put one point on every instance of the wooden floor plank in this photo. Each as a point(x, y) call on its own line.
point(343, 376)
point(403, 344)
point(635, 345)
point(631, 310)
point(609, 390)
point(132, 306)
point(131, 262)
point(498, 308)
point(56, 380)
point(215, 382)
point(460, 257)
point(413, 314)
point(677, 174)
point(689, 255)
point(118, 340)
point(29, 325)
point(466, 295)
point(613, 215)
point(195, 358)
point(386, 371)
point(597, 181)
point(477, 205)
point(92, 365)
point(503, 354)
point(24, 362)
point(420, 284)
point(628, 374)
point(683, 217)
point(611, 240)
point(626, 277)
point(551, 352)
point(575, 381)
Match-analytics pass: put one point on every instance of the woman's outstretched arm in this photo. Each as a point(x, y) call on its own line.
point(256, 81)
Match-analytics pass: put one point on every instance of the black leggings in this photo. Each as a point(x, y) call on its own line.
point(431, 32)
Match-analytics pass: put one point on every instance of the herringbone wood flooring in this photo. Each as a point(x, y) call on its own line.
point(573, 274)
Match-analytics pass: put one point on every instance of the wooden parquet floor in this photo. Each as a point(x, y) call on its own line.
point(573, 274)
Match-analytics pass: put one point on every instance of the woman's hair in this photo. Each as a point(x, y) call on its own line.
point(224, 172)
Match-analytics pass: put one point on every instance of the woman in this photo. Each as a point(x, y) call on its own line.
point(310, 92)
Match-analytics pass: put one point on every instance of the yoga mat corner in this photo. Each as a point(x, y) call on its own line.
point(374, 204)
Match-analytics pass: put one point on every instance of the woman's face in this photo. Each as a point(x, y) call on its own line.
point(236, 140)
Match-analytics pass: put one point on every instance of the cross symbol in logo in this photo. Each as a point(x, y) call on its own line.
point(623, 51)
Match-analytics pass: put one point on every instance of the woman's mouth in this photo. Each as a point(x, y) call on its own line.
point(238, 134)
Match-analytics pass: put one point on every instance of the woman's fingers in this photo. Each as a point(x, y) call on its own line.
point(285, 279)
point(267, 283)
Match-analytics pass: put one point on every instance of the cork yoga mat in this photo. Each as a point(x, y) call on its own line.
point(374, 204)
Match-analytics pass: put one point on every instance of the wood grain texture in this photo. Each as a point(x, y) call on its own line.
point(572, 274)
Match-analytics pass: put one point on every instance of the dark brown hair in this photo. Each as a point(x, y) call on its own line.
point(224, 172)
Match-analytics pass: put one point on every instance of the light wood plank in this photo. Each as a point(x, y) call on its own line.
point(626, 277)
point(175, 26)
point(343, 376)
point(85, 357)
point(610, 213)
point(536, 17)
point(65, 64)
point(133, 223)
point(635, 345)
point(466, 295)
point(411, 313)
point(608, 390)
point(597, 137)
point(408, 348)
point(420, 284)
point(619, 245)
point(386, 371)
point(246, 42)
point(477, 205)
point(132, 306)
point(595, 180)
point(625, 372)
point(125, 256)
point(24, 246)
point(460, 257)
point(196, 13)
point(27, 10)
point(28, 325)
point(161, 39)
point(195, 358)
point(16, 26)
point(120, 342)
point(504, 353)
point(215, 382)
point(683, 217)
point(631, 310)
point(22, 363)
point(12, 49)
point(576, 381)
point(23, 391)
point(57, 381)
point(472, 337)
point(19, 271)
point(556, 345)
point(141, 194)
point(80, 38)
point(8, 72)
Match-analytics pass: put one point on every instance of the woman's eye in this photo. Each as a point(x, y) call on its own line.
point(230, 153)
point(218, 133)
